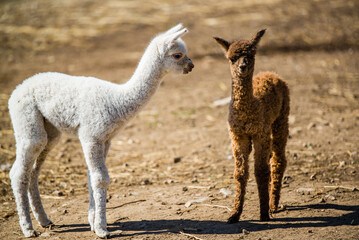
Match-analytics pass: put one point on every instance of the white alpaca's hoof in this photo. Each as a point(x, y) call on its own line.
point(102, 233)
point(92, 225)
point(48, 224)
point(91, 219)
point(30, 233)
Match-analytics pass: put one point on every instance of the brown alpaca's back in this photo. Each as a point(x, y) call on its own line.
point(273, 93)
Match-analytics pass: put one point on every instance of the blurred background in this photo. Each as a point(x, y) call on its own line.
point(181, 138)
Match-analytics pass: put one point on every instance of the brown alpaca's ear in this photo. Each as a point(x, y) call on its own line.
point(256, 38)
point(223, 43)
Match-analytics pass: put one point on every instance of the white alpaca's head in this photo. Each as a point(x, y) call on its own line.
point(172, 50)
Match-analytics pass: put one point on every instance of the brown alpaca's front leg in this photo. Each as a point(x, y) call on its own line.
point(262, 147)
point(242, 147)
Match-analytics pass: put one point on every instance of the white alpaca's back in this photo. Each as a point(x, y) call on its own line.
point(69, 102)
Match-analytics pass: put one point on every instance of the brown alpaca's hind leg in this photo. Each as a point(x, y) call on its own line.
point(262, 147)
point(242, 147)
point(278, 161)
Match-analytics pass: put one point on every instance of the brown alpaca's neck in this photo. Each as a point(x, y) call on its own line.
point(242, 91)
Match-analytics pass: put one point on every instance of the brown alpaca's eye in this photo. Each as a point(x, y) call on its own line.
point(248, 60)
point(233, 60)
point(177, 56)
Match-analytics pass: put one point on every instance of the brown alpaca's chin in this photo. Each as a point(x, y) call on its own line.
point(243, 70)
point(243, 73)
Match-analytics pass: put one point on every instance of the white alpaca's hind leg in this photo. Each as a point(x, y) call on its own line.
point(19, 176)
point(99, 179)
point(53, 135)
point(31, 139)
point(34, 194)
point(26, 153)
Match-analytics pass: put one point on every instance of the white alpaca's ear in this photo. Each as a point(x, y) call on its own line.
point(174, 29)
point(174, 36)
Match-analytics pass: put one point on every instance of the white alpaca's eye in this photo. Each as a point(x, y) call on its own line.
point(177, 56)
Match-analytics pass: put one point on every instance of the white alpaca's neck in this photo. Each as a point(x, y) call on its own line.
point(144, 82)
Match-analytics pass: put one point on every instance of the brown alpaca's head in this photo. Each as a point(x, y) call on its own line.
point(241, 53)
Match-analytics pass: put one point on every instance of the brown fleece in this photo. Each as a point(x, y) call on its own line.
point(258, 115)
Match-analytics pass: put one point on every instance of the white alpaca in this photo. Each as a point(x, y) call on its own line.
point(47, 104)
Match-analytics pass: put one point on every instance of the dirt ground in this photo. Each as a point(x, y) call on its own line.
point(171, 168)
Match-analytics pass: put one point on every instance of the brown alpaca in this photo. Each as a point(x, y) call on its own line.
point(258, 114)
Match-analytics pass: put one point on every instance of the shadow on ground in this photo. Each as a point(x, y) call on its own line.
point(144, 227)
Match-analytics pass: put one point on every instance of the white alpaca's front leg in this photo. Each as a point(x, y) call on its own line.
point(99, 181)
point(100, 224)
point(91, 212)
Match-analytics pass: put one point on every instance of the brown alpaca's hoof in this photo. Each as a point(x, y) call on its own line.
point(278, 209)
point(273, 210)
point(233, 219)
point(265, 217)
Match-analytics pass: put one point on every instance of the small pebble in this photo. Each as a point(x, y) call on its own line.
point(117, 232)
point(341, 164)
point(225, 191)
point(287, 177)
point(307, 191)
point(194, 180)
point(47, 234)
point(169, 181)
point(282, 207)
point(311, 125)
point(146, 182)
point(58, 193)
point(331, 197)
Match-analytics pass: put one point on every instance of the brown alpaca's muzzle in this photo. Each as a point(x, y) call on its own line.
point(242, 68)
point(242, 65)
